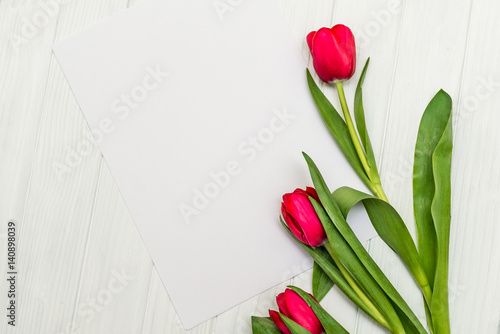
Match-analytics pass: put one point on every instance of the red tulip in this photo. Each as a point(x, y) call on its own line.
point(333, 52)
point(300, 217)
point(295, 308)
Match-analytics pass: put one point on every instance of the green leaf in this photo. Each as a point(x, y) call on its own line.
point(321, 283)
point(334, 212)
point(359, 116)
point(407, 324)
point(337, 127)
point(261, 325)
point(330, 325)
point(389, 226)
point(348, 259)
point(294, 327)
point(432, 126)
point(441, 215)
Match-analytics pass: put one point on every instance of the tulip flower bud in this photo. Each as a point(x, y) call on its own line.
point(333, 52)
point(301, 218)
point(295, 308)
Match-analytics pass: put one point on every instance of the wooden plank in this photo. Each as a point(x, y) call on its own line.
point(431, 55)
point(56, 181)
point(116, 268)
point(474, 264)
point(26, 64)
point(429, 58)
point(376, 26)
point(56, 216)
point(24, 69)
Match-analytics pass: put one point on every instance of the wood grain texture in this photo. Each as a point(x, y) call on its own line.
point(83, 266)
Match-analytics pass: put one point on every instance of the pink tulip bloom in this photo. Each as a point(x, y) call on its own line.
point(333, 52)
point(295, 308)
point(301, 218)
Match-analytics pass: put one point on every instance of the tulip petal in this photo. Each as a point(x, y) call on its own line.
point(330, 325)
point(301, 192)
point(275, 316)
point(280, 300)
point(301, 313)
point(292, 224)
point(332, 60)
point(346, 38)
point(300, 208)
point(312, 192)
point(309, 39)
point(286, 198)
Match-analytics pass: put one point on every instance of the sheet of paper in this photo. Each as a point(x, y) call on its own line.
point(201, 112)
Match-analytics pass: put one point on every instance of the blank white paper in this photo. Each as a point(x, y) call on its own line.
point(201, 111)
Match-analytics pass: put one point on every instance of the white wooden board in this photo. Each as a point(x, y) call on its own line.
point(82, 265)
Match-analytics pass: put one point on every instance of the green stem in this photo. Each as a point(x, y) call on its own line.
point(379, 192)
point(352, 131)
point(426, 291)
point(424, 285)
point(376, 186)
point(375, 312)
point(428, 316)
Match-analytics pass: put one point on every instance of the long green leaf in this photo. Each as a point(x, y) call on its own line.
point(337, 127)
point(334, 212)
point(408, 325)
point(294, 327)
point(432, 126)
point(355, 268)
point(261, 325)
point(441, 214)
point(330, 325)
point(321, 283)
point(389, 226)
point(359, 116)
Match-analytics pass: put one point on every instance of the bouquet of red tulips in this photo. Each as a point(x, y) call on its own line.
point(316, 217)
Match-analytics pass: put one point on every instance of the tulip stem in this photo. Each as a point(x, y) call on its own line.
point(379, 191)
point(376, 315)
point(376, 186)
point(352, 131)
